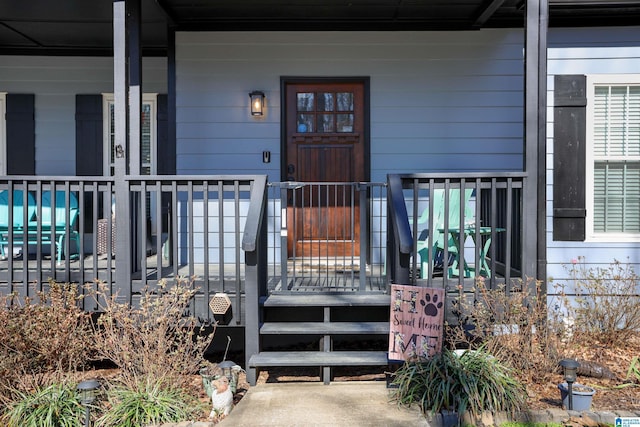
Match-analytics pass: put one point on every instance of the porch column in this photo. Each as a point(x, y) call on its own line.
point(534, 200)
point(120, 92)
point(134, 87)
point(134, 55)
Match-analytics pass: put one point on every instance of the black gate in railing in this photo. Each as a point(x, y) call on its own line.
point(328, 237)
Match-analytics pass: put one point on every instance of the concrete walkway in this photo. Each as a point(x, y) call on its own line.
point(315, 404)
point(362, 403)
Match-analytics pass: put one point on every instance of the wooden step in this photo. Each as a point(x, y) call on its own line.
point(324, 328)
point(327, 300)
point(318, 358)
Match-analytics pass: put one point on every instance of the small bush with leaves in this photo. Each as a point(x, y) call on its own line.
point(601, 303)
point(54, 406)
point(472, 382)
point(149, 403)
point(511, 324)
point(155, 339)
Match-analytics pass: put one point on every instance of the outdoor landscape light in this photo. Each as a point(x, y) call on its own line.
point(88, 392)
point(257, 103)
point(570, 368)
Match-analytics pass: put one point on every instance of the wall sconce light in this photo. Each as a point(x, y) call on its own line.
point(257, 103)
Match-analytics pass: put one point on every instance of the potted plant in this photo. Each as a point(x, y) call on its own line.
point(454, 383)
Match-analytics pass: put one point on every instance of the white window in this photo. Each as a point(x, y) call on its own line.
point(3, 134)
point(613, 157)
point(148, 135)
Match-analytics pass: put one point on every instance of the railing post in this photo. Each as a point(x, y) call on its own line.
point(123, 241)
point(284, 250)
point(363, 189)
point(400, 232)
point(254, 243)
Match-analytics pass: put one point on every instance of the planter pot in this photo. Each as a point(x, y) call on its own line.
point(208, 377)
point(449, 418)
point(581, 394)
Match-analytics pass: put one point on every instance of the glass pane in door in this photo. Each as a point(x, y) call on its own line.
point(325, 101)
point(326, 123)
point(305, 101)
point(344, 123)
point(345, 101)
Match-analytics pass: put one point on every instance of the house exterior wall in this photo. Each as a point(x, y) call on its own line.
point(440, 101)
point(586, 51)
point(56, 81)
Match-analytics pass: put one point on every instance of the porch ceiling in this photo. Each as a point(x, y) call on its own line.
point(81, 27)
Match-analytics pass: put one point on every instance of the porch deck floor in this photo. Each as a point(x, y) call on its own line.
point(299, 278)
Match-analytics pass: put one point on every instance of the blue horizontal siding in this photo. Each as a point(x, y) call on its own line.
point(587, 51)
point(55, 81)
point(453, 94)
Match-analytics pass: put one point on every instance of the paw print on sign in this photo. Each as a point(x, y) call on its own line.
point(431, 307)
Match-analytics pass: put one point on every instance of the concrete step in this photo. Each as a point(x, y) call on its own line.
point(318, 358)
point(324, 328)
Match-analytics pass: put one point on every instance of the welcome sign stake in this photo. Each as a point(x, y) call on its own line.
point(416, 323)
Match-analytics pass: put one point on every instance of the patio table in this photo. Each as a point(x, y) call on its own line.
point(470, 231)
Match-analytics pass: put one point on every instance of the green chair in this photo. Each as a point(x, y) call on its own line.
point(17, 225)
point(439, 240)
point(50, 232)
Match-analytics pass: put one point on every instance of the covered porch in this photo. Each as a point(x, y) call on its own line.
point(230, 233)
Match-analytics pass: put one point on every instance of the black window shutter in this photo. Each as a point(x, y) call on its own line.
point(89, 136)
point(21, 134)
point(569, 157)
point(166, 151)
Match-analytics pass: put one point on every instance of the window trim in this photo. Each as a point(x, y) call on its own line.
point(147, 98)
point(3, 133)
point(594, 80)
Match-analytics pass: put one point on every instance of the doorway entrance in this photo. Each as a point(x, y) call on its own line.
point(325, 151)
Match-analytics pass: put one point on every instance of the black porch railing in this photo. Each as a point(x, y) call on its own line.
point(66, 229)
point(48, 229)
point(448, 230)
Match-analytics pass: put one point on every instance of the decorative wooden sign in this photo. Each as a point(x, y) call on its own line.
point(417, 318)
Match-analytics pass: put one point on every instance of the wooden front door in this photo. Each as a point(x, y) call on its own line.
point(324, 148)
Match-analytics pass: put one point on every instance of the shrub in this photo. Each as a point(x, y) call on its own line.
point(52, 406)
point(472, 382)
point(601, 303)
point(155, 340)
point(151, 402)
point(43, 339)
point(511, 325)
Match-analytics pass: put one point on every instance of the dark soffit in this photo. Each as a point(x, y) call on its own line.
point(82, 27)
